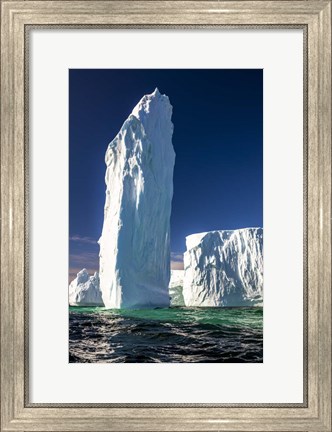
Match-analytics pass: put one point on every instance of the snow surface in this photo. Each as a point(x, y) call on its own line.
point(193, 240)
point(224, 268)
point(135, 242)
point(176, 288)
point(84, 290)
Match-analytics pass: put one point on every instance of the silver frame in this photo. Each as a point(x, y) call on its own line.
point(17, 18)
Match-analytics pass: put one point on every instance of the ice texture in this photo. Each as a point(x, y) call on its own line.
point(176, 288)
point(224, 268)
point(84, 290)
point(134, 266)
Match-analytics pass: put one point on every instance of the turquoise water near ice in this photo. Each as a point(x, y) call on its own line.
point(173, 335)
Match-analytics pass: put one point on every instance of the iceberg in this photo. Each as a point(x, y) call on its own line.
point(224, 268)
point(84, 290)
point(134, 259)
point(176, 288)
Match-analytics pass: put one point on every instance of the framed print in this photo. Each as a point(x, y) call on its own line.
point(205, 322)
point(166, 215)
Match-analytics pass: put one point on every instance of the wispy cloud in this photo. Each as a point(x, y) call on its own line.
point(177, 261)
point(176, 256)
point(84, 258)
point(83, 239)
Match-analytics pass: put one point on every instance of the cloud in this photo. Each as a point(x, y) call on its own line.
point(84, 258)
point(83, 239)
point(177, 256)
point(177, 261)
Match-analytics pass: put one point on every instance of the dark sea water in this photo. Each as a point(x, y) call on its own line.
point(175, 335)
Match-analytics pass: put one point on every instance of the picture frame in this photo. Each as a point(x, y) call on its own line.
point(17, 18)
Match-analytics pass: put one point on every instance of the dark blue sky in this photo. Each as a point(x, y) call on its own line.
point(218, 141)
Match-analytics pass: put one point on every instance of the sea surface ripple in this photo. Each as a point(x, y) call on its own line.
point(174, 335)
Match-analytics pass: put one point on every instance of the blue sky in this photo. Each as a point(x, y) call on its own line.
point(218, 140)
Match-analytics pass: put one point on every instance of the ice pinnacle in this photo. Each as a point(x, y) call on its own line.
point(135, 241)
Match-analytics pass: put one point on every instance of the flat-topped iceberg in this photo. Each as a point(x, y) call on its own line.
point(224, 268)
point(84, 290)
point(135, 242)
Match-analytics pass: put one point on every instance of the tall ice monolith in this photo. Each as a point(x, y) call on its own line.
point(135, 241)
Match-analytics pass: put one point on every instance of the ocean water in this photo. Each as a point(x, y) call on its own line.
point(174, 335)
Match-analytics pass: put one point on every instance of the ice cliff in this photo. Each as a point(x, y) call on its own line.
point(135, 241)
point(224, 268)
point(84, 290)
point(176, 288)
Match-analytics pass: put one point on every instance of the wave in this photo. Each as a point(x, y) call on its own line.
point(174, 335)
